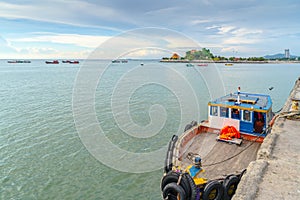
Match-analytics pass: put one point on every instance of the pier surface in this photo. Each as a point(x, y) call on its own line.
point(275, 174)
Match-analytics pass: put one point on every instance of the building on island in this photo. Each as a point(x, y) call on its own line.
point(175, 56)
point(287, 53)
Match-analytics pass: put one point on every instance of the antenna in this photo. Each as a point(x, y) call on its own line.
point(238, 97)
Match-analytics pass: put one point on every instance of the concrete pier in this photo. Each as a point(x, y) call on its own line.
point(276, 172)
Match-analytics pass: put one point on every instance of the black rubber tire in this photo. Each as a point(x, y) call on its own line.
point(172, 142)
point(172, 177)
point(230, 184)
point(188, 127)
point(193, 186)
point(211, 188)
point(242, 174)
point(172, 190)
point(168, 162)
point(194, 123)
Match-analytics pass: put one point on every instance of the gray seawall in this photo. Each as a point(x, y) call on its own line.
point(276, 172)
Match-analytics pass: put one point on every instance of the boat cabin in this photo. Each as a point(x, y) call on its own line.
point(248, 113)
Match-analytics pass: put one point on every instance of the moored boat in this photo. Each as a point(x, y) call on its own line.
point(74, 62)
point(119, 61)
point(189, 65)
point(203, 65)
point(228, 64)
point(52, 62)
point(208, 160)
point(71, 61)
point(19, 61)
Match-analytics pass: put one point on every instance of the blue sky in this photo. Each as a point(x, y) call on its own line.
point(74, 28)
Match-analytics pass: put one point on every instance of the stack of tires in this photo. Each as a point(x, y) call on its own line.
point(176, 185)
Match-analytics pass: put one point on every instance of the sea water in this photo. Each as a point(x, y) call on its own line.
point(43, 154)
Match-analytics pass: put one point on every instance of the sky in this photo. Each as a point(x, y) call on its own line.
point(34, 29)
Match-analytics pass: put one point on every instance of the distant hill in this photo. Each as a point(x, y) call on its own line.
point(278, 56)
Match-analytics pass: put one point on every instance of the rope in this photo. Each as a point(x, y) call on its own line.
point(278, 110)
point(292, 115)
point(229, 158)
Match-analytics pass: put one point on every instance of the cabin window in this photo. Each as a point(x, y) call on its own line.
point(224, 112)
point(214, 110)
point(247, 115)
point(235, 113)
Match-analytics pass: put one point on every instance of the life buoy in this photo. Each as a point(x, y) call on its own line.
point(213, 191)
point(172, 191)
point(230, 184)
point(186, 183)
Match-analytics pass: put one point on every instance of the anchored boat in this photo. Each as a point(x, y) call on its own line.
point(52, 62)
point(208, 160)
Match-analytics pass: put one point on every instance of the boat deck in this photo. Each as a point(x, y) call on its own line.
point(212, 151)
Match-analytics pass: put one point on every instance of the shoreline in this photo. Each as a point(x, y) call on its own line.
point(232, 62)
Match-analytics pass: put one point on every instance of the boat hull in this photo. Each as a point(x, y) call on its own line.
point(222, 162)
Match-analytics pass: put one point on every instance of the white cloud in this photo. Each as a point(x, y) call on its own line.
point(199, 21)
point(240, 40)
point(88, 41)
point(212, 27)
point(225, 29)
point(76, 12)
point(244, 31)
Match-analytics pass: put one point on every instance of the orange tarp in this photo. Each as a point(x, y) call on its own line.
point(229, 132)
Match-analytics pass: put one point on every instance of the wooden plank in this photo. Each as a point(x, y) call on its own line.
point(232, 141)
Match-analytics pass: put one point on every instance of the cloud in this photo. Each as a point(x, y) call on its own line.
point(76, 12)
point(225, 29)
point(6, 47)
point(88, 41)
point(220, 24)
point(199, 21)
point(212, 27)
point(244, 31)
point(240, 40)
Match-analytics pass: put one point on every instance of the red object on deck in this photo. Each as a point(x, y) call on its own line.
point(229, 132)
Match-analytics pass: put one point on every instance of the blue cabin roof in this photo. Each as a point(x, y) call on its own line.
point(258, 102)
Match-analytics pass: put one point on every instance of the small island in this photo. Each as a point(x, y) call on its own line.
point(205, 56)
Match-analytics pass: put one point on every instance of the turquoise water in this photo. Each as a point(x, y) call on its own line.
point(42, 155)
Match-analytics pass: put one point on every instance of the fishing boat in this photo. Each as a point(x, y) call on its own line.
point(203, 65)
point(71, 61)
point(208, 160)
point(119, 61)
point(74, 62)
point(189, 65)
point(19, 61)
point(52, 62)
